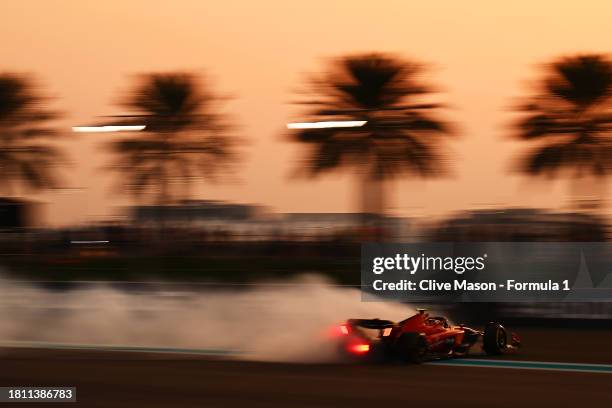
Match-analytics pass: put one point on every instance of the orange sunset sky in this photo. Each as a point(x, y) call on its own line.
point(482, 55)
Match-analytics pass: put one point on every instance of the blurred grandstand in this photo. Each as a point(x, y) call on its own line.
point(521, 225)
point(213, 241)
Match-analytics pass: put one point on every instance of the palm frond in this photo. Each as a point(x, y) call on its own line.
point(570, 117)
point(26, 156)
point(185, 137)
point(386, 92)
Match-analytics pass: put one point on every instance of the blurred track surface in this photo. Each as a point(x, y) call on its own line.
point(124, 379)
point(106, 379)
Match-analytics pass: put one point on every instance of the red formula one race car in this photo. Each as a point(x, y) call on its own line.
point(419, 338)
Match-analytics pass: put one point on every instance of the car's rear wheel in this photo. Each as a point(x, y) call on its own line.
point(495, 339)
point(412, 347)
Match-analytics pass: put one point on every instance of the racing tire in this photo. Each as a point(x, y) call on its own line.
point(494, 339)
point(412, 347)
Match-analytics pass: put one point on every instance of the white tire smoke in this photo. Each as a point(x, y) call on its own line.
point(272, 322)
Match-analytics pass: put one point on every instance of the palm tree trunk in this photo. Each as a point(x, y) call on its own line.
point(163, 199)
point(372, 202)
point(371, 195)
point(588, 193)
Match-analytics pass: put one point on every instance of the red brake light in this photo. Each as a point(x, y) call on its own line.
point(359, 348)
point(344, 329)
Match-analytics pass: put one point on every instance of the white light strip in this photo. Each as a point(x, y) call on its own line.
point(134, 128)
point(330, 124)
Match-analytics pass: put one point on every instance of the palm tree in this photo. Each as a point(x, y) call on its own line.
point(401, 135)
point(569, 119)
point(185, 139)
point(26, 157)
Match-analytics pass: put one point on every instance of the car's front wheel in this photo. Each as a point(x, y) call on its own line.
point(495, 339)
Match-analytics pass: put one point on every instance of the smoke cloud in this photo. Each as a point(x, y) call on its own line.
point(285, 321)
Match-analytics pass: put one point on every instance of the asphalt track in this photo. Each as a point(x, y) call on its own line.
point(128, 379)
